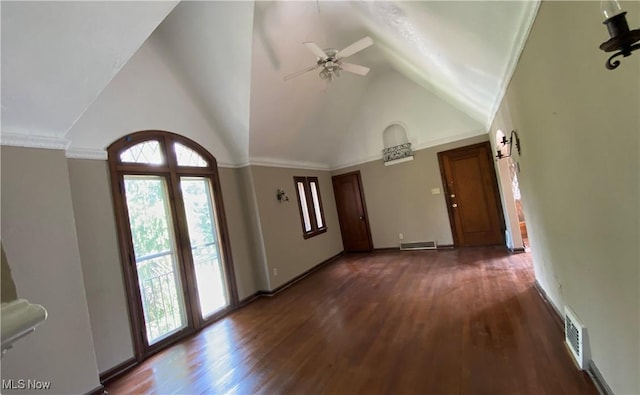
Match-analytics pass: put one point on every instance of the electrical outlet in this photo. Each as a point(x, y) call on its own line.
point(401, 236)
point(275, 271)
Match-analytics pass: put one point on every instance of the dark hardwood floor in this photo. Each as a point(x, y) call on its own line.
point(466, 321)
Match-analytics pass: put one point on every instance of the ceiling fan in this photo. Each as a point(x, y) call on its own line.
point(331, 60)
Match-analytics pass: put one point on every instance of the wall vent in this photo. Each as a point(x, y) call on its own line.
point(574, 333)
point(422, 245)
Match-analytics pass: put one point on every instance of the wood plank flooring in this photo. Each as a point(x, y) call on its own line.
point(466, 321)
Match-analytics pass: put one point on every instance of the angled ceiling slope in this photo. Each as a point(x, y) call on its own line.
point(230, 57)
point(298, 122)
point(461, 53)
point(208, 45)
point(58, 56)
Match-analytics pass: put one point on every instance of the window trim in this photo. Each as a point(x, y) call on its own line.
point(172, 172)
point(311, 209)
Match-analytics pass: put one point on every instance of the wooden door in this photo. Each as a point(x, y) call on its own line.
point(472, 195)
point(352, 212)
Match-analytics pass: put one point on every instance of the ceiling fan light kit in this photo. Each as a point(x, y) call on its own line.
point(330, 61)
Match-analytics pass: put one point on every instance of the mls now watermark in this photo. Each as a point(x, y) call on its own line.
point(25, 384)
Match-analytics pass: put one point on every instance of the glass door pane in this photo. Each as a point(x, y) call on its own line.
point(203, 235)
point(155, 254)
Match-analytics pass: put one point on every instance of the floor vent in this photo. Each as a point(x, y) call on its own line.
point(574, 336)
point(422, 245)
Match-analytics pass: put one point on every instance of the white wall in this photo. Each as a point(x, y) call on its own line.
point(58, 55)
point(208, 45)
point(39, 237)
point(145, 95)
point(390, 98)
point(580, 133)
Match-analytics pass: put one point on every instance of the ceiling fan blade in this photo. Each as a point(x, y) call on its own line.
point(355, 47)
point(313, 47)
point(354, 68)
point(297, 73)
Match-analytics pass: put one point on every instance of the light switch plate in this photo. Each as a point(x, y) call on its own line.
point(435, 191)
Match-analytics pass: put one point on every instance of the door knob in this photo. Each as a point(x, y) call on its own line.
point(454, 205)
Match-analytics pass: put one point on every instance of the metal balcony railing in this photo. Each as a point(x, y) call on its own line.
point(159, 284)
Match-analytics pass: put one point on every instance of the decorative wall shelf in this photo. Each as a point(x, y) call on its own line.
point(397, 148)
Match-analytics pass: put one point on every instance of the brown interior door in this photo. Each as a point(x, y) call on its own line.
point(352, 212)
point(472, 195)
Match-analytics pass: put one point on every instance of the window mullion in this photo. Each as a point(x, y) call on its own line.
point(310, 207)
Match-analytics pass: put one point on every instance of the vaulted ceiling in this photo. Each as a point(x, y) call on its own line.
point(78, 75)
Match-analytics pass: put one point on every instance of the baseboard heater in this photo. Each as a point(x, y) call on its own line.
point(421, 245)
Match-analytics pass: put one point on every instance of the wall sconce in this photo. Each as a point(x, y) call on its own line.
point(621, 38)
point(281, 195)
point(513, 139)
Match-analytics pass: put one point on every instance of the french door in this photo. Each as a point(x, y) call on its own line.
point(175, 249)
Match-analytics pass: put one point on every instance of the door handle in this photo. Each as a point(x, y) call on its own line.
point(454, 205)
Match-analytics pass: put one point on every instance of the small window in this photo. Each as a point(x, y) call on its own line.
point(147, 152)
point(310, 204)
point(188, 157)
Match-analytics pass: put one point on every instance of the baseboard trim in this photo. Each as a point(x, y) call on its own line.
point(517, 250)
point(118, 371)
point(592, 371)
point(446, 246)
point(249, 299)
point(386, 249)
point(299, 277)
point(397, 249)
point(552, 308)
point(99, 390)
point(598, 380)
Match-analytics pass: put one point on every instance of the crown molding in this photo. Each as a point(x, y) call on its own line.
point(414, 148)
point(520, 42)
point(86, 153)
point(288, 164)
point(228, 165)
point(358, 162)
point(448, 139)
point(33, 141)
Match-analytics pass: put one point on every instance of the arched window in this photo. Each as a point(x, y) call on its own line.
point(173, 236)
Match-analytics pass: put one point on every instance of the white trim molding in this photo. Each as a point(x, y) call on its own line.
point(33, 141)
point(289, 164)
point(86, 153)
point(415, 148)
point(227, 165)
point(521, 40)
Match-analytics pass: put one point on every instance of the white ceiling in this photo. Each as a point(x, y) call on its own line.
point(58, 56)
point(231, 56)
point(209, 44)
